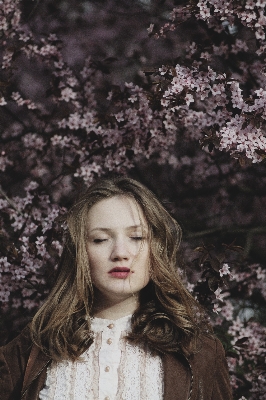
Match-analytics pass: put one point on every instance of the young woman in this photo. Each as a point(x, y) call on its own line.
point(118, 324)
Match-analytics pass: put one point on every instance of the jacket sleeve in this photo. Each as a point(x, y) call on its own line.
point(6, 384)
point(13, 361)
point(221, 385)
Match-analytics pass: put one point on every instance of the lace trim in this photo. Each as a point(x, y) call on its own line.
point(74, 380)
point(95, 365)
point(139, 372)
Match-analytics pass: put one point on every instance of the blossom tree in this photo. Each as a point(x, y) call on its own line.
point(170, 93)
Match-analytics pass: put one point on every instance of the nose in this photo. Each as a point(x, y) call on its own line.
point(120, 250)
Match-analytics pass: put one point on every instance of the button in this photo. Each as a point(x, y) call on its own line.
point(107, 398)
point(110, 326)
point(109, 341)
point(107, 369)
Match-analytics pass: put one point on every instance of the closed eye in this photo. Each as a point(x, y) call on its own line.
point(99, 240)
point(137, 237)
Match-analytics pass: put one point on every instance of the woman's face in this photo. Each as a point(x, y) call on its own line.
point(118, 247)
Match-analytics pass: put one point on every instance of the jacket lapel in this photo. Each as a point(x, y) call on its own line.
point(36, 363)
point(177, 377)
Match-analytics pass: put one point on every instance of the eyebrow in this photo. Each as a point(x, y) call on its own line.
point(128, 228)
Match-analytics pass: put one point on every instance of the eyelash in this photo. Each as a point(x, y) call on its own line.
point(97, 241)
point(137, 238)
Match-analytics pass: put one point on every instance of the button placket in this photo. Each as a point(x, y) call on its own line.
point(110, 338)
point(109, 357)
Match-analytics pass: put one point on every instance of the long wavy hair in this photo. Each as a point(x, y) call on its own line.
point(168, 319)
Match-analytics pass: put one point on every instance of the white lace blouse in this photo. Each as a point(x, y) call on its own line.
point(111, 369)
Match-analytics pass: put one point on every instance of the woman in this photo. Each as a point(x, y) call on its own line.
point(119, 323)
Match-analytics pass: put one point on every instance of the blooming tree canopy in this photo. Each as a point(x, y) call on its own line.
point(172, 93)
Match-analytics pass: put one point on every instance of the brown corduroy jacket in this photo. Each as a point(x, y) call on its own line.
point(204, 376)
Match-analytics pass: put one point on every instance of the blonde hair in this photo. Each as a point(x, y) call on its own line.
point(168, 318)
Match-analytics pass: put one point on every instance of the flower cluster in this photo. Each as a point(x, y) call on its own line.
point(202, 99)
point(33, 218)
point(229, 285)
point(231, 14)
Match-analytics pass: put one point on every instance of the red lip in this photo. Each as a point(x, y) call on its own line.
point(119, 269)
point(119, 272)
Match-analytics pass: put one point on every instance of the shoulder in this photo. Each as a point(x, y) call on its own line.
point(208, 352)
point(203, 361)
point(16, 353)
point(210, 346)
point(13, 360)
point(22, 343)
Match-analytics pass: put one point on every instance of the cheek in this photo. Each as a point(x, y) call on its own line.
point(94, 252)
point(95, 261)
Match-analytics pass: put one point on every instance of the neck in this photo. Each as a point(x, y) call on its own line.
point(107, 308)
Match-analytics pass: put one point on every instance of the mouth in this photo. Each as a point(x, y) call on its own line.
point(119, 272)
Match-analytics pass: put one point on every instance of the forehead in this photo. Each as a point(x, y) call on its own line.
point(116, 212)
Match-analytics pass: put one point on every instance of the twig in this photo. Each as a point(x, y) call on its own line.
point(12, 204)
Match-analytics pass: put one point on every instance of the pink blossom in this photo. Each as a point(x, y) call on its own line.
point(59, 64)
point(72, 81)
point(227, 310)
point(189, 99)
point(31, 186)
point(5, 265)
point(190, 287)
point(18, 223)
point(3, 203)
point(110, 95)
point(41, 250)
point(225, 270)
point(32, 140)
point(48, 50)
point(30, 228)
point(219, 295)
point(150, 29)
point(216, 308)
point(260, 34)
point(260, 273)
point(119, 116)
point(40, 240)
point(2, 101)
point(68, 94)
point(7, 59)
point(4, 162)
point(74, 121)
